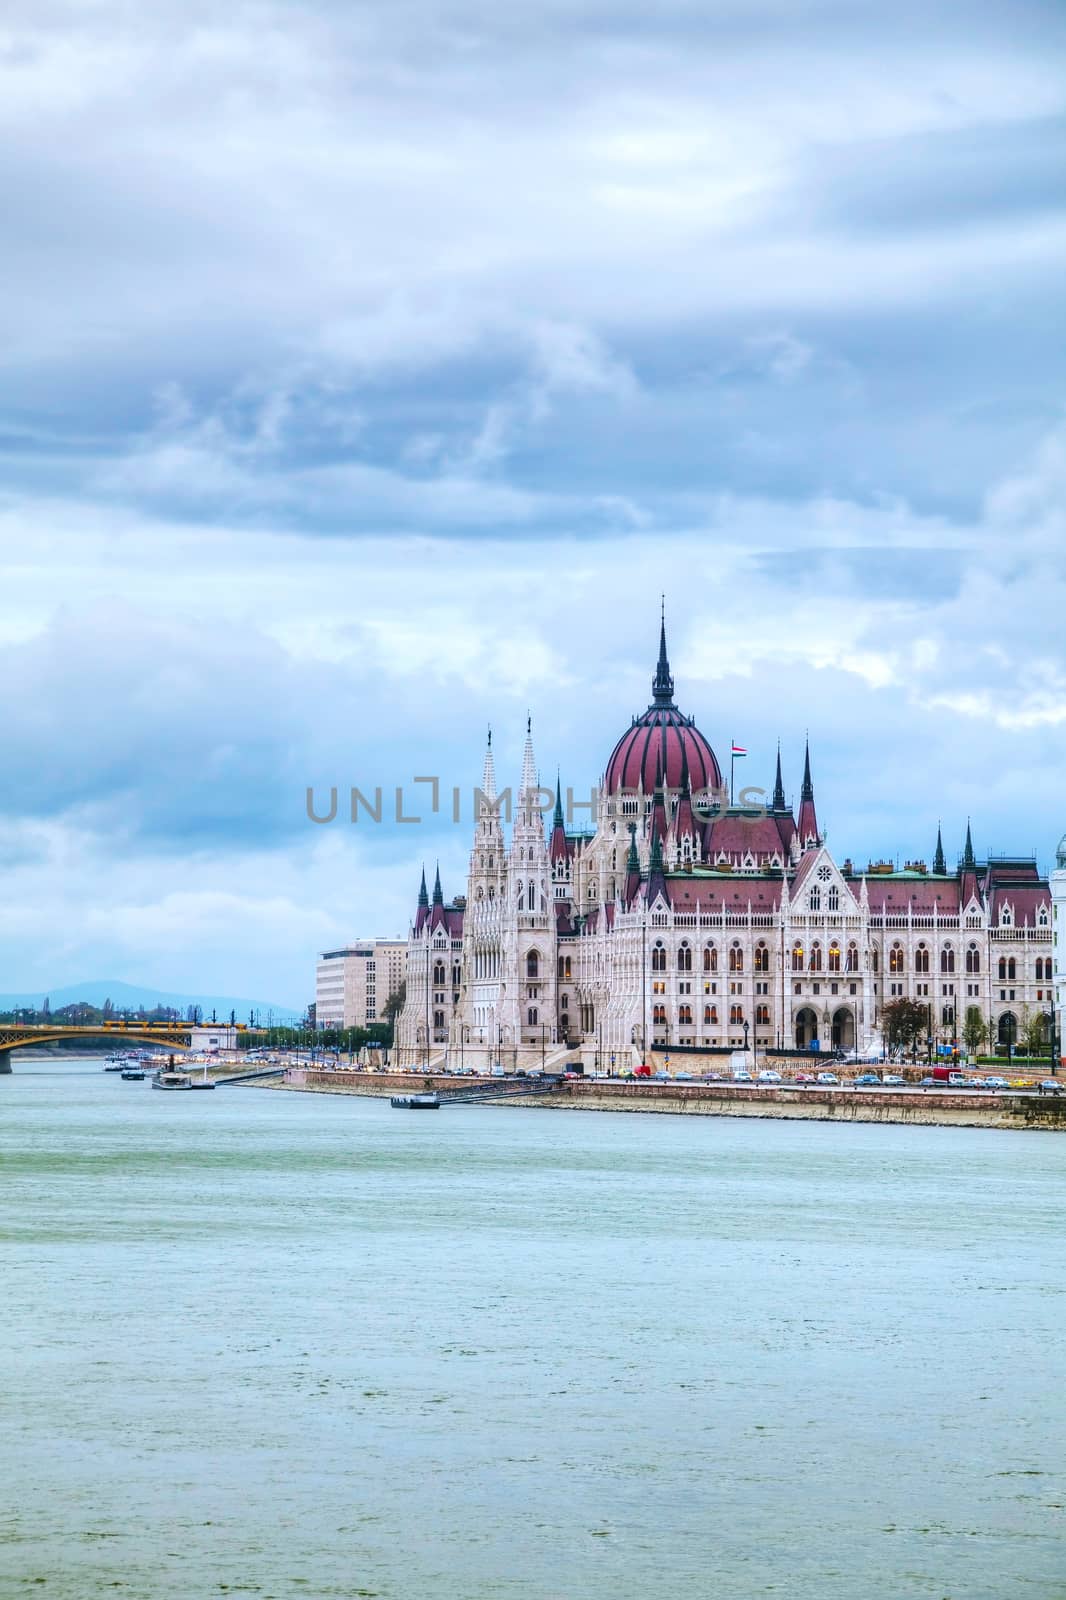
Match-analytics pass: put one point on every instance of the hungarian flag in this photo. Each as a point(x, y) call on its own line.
point(738, 749)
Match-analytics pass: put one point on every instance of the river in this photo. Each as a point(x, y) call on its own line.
point(275, 1344)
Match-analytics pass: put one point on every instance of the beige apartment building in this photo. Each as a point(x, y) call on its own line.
point(353, 984)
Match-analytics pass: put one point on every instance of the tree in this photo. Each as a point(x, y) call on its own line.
point(974, 1030)
point(395, 1003)
point(1035, 1032)
point(904, 1022)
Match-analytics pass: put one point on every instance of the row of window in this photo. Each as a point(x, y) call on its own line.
point(710, 1016)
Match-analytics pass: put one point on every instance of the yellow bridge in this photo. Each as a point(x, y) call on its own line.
point(173, 1035)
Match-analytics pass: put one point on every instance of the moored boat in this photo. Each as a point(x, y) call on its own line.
point(168, 1078)
point(416, 1102)
point(133, 1074)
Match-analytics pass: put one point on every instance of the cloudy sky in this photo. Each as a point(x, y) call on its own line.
point(369, 370)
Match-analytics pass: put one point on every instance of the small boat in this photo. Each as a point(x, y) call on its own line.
point(116, 1063)
point(202, 1083)
point(133, 1074)
point(168, 1078)
point(416, 1102)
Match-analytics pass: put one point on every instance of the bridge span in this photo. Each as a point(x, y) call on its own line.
point(170, 1035)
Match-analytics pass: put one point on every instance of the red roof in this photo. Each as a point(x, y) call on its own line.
point(654, 747)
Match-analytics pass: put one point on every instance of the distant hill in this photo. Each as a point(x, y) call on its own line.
point(133, 995)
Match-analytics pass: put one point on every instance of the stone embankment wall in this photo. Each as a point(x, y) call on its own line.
point(933, 1107)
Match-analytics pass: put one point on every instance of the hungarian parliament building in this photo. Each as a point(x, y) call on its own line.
point(682, 919)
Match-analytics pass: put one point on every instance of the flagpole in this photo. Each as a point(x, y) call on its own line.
point(732, 759)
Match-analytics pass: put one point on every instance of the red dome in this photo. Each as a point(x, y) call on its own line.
point(656, 744)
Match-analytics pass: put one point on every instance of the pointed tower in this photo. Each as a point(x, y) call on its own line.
point(657, 821)
point(527, 998)
point(807, 826)
point(778, 802)
point(559, 850)
point(939, 864)
point(662, 685)
point(423, 904)
point(686, 836)
point(483, 921)
point(969, 863)
point(632, 888)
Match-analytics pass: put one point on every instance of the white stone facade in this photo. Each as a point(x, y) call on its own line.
point(684, 920)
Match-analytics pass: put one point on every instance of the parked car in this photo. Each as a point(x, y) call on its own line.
point(714, 1077)
point(683, 1077)
point(767, 1075)
point(741, 1076)
point(929, 1083)
point(827, 1078)
point(867, 1080)
point(996, 1083)
point(803, 1077)
point(1050, 1084)
point(892, 1080)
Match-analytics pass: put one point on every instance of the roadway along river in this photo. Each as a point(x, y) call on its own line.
point(282, 1344)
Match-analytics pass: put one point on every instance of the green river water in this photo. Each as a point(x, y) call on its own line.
point(277, 1344)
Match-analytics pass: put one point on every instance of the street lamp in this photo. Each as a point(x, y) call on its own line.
point(747, 1026)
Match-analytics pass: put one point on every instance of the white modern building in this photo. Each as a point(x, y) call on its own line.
point(352, 984)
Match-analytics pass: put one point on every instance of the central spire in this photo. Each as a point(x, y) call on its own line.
point(663, 684)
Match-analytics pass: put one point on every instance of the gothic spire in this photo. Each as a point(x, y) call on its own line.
point(807, 825)
point(663, 683)
point(779, 786)
point(632, 859)
point(488, 777)
point(423, 893)
point(968, 860)
point(939, 864)
point(438, 892)
point(557, 819)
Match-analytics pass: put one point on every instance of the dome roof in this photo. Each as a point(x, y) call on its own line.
point(661, 742)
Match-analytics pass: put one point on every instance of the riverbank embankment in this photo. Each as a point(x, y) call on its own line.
point(931, 1107)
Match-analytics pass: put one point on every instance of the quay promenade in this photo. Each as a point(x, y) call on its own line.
point(965, 1108)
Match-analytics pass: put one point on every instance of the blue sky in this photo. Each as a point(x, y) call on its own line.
point(370, 370)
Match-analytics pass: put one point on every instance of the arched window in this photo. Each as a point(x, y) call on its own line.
point(947, 959)
point(710, 959)
point(736, 1014)
point(532, 896)
point(834, 957)
point(852, 962)
point(521, 895)
point(658, 957)
point(684, 1016)
point(1002, 969)
point(895, 959)
point(531, 1016)
point(816, 899)
point(710, 1016)
point(1012, 970)
point(875, 960)
point(762, 958)
point(762, 1015)
point(532, 965)
point(973, 959)
point(921, 959)
point(797, 958)
point(684, 958)
point(438, 974)
point(833, 898)
point(736, 959)
point(816, 957)
point(659, 1016)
